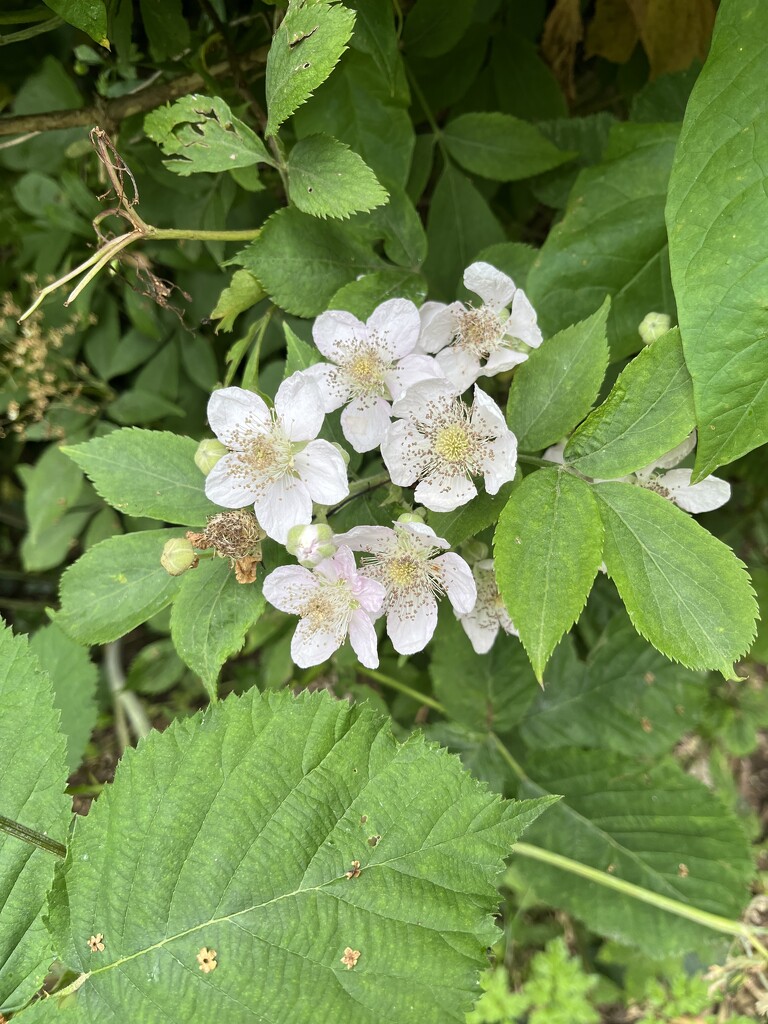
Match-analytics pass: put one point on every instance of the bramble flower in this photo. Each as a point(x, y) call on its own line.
point(371, 364)
point(442, 443)
point(489, 615)
point(273, 461)
point(474, 341)
point(407, 563)
point(332, 601)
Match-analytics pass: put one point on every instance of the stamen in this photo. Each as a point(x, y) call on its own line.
point(479, 330)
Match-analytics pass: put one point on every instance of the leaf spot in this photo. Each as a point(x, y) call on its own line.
point(682, 870)
point(649, 678)
point(374, 840)
point(96, 943)
point(350, 958)
point(355, 872)
point(207, 960)
point(646, 725)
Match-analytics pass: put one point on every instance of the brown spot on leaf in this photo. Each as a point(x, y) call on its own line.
point(374, 840)
point(96, 943)
point(646, 725)
point(682, 870)
point(207, 960)
point(350, 958)
point(649, 678)
point(355, 872)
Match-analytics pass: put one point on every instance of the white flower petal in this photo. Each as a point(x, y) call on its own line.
point(365, 422)
point(324, 472)
point(676, 456)
point(230, 485)
point(424, 535)
point(411, 626)
point(438, 325)
point(335, 332)
point(234, 413)
point(286, 503)
point(481, 630)
point(486, 415)
point(458, 581)
point(362, 637)
point(289, 587)
point(494, 287)
point(332, 384)
point(404, 452)
point(410, 371)
point(411, 404)
point(444, 493)
point(371, 539)
point(500, 462)
point(555, 453)
point(394, 326)
point(312, 646)
point(460, 366)
point(501, 360)
point(708, 494)
point(522, 321)
point(299, 407)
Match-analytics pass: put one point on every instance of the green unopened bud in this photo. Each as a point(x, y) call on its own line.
point(208, 454)
point(178, 556)
point(653, 326)
point(311, 544)
point(474, 551)
point(412, 517)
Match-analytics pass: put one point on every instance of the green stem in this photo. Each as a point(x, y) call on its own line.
point(28, 835)
point(41, 13)
point(653, 899)
point(534, 460)
point(425, 107)
point(513, 764)
point(34, 30)
point(127, 704)
point(358, 487)
point(395, 684)
point(195, 235)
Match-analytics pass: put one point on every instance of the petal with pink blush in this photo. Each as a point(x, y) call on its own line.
point(235, 414)
point(362, 637)
point(285, 504)
point(324, 472)
point(444, 493)
point(410, 627)
point(335, 332)
point(299, 407)
point(394, 327)
point(289, 587)
point(370, 594)
point(365, 422)
point(230, 485)
point(458, 581)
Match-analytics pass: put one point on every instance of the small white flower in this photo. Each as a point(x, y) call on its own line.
point(332, 601)
point(442, 443)
point(705, 496)
point(407, 562)
point(474, 341)
point(489, 615)
point(273, 461)
point(371, 364)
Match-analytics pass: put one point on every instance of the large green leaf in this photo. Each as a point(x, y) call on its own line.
point(459, 225)
point(685, 591)
point(547, 548)
point(210, 616)
point(74, 678)
point(34, 771)
point(147, 473)
point(501, 147)
point(115, 586)
point(90, 16)
point(302, 261)
point(239, 829)
point(558, 384)
point(200, 133)
point(612, 240)
point(648, 413)
point(363, 295)
point(716, 214)
point(653, 826)
point(166, 27)
point(305, 50)
point(327, 179)
point(626, 697)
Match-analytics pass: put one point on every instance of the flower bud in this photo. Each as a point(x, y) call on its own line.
point(178, 556)
point(412, 517)
point(474, 551)
point(208, 454)
point(311, 544)
point(653, 326)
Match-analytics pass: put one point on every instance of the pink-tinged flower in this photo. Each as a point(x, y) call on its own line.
point(489, 615)
point(474, 341)
point(371, 364)
point(273, 461)
point(442, 443)
point(407, 562)
point(333, 600)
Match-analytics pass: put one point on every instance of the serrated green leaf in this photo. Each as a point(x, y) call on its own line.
point(469, 520)
point(459, 225)
point(90, 16)
point(305, 50)
point(115, 586)
point(147, 473)
point(327, 179)
point(486, 692)
point(612, 240)
point(648, 413)
point(716, 209)
point(685, 591)
point(653, 826)
point(210, 616)
point(299, 354)
point(362, 296)
point(626, 697)
point(501, 147)
point(34, 772)
point(200, 133)
point(547, 549)
point(74, 678)
point(287, 791)
point(166, 27)
point(302, 262)
point(242, 292)
point(556, 387)
point(405, 241)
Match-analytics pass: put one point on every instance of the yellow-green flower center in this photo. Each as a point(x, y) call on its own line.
point(452, 443)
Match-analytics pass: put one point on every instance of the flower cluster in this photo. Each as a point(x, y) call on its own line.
point(399, 380)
